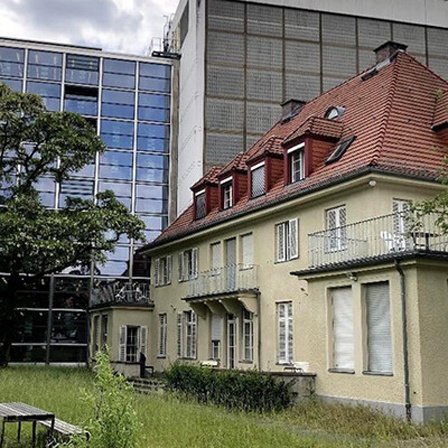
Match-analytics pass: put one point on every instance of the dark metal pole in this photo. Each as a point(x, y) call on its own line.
point(50, 319)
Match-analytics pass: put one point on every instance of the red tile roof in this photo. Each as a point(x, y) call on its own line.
point(441, 110)
point(238, 163)
point(391, 114)
point(209, 178)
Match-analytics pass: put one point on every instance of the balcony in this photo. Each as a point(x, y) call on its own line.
point(120, 292)
point(226, 280)
point(376, 238)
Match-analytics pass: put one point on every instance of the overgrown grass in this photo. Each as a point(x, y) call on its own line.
point(170, 423)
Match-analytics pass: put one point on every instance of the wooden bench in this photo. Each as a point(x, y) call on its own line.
point(63, 428)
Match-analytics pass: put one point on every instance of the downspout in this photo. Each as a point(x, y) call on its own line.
point(259, 331)
point(404, 323)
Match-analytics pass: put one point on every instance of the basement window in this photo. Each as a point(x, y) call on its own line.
point(339, 151)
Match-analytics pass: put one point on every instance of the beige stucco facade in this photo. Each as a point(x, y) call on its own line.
point(421, 282)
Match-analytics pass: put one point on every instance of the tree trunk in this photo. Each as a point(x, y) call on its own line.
point(7, 319)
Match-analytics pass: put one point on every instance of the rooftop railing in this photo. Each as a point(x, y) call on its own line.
point(227, 279)
point(121, 292)
point(376, 238)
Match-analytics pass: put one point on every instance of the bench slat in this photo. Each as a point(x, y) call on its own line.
point(62, 427)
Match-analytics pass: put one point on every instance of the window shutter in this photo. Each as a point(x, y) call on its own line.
point(181, 267)
point(379, 337)
point(194, 323)
point(143, 340)
point(157, 272)
point(168, 269)
point(293, 238)
point(180, 344)
point(122, 345)
point(194, 261)
point(290, 341)
point(248, 250)
point(343, 339)
point(216, 327)
point(280, 237)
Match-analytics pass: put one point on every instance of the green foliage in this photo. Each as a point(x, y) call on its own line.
point(114, 423)
point(232, 389)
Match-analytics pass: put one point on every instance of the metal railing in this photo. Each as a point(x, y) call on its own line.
point(376, 237)
point(230, 278)
point(121, 292)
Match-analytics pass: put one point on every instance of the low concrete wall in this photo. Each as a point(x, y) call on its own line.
point(303, 385)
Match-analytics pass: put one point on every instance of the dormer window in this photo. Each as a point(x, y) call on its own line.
point(226, 193)
point(334, 112)
point(200, 204)
point(257, 173)
point(296, 162)
point(339, 151)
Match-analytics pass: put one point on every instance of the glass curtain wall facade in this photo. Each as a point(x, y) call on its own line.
point(128, 100)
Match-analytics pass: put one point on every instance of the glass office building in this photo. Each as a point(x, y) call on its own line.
point(128, 100)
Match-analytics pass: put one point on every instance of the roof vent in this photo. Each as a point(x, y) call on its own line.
point(387, 50)
point(291, 107)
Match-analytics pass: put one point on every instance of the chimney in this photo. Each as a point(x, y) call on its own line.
point(387, 49)
point(291, 107)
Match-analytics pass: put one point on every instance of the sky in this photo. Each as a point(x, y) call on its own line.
point(124, 26)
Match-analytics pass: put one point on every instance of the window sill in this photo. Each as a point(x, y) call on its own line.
point(246, 361)
point(285, 261)
point(161, 286)
point(368, 372)
point(161, 356)
point(349, 371)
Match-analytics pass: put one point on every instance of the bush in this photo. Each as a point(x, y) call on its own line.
point(114, 423)
point(232, 389)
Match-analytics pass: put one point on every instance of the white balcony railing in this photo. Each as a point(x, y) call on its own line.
point(230, 278)
point(376, 237)
point(121, 292)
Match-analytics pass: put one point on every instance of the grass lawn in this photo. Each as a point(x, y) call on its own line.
point(170, 423)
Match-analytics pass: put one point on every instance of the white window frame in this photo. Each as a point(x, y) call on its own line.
point(124, 352)
point(401, 209)
point(163, 334)
point(297, 152)
point(342, 323)
point(378, 328)
point(259, 167)
point(188, 264)
point(336, 231)
point(162, 271)
point(285, 333)
point(216, 336)
point(248, 335)
point(186, 334)
point(287, 240)
point(215, 258)
point(227, 193)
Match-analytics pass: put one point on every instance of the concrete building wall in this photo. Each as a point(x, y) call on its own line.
point(252, 56)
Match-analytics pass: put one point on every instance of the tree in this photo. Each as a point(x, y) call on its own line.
point(35, 240)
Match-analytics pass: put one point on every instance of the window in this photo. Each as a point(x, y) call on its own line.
point(296, 160)
point(340, 149)
point(285, 350)
point(336, 230)
point(257, 180)
point(96, 334)
point(200, 204)
point(186, 335)
point(104, 328)
point(163, 327)
point(248, 336)
point(247, 251)
point(133, 341)
point(162, 271)
point(379, 337)
point(343, 337)
point(287, 244)
point(227, 193)
point(216, 336)
point(188, 264)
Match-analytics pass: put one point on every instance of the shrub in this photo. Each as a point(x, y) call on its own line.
point(232, 389)
point(114, 423)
